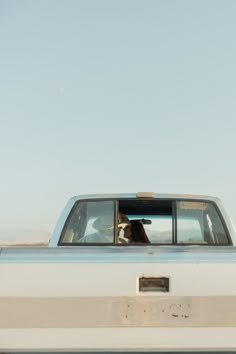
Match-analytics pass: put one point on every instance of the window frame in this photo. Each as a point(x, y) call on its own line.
point(174, 224)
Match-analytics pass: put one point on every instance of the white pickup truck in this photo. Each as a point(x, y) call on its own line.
point(124, 273)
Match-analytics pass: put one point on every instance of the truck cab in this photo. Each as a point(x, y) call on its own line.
point(143, 219)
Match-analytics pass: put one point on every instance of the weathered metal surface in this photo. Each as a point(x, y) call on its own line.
point(102, 312)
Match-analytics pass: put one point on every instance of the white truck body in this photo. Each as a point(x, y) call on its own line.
point(176, 297)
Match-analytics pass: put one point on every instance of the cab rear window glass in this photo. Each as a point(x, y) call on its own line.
point(144, 222)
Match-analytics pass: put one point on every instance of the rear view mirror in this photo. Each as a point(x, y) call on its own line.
point(146, 221)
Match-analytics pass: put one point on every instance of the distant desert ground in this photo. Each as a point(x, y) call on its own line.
point(18, 238)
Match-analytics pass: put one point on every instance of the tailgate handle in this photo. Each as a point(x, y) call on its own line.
point(154, 284)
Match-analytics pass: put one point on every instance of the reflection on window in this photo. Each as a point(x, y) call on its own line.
point(90, 222)
point(199, 223)
point(189, 230)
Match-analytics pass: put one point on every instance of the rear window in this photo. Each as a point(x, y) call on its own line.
point(199, 223)
point(134, 221)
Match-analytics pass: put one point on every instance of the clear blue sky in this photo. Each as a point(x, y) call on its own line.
point(114, 96)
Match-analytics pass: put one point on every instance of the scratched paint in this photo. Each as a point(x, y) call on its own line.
point(101, 312)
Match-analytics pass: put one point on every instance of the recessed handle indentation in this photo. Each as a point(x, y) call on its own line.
point(158, 284)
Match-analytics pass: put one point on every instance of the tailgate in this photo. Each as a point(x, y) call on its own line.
point(154, 299)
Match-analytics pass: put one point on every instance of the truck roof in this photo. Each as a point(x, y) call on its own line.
point(151, 195)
